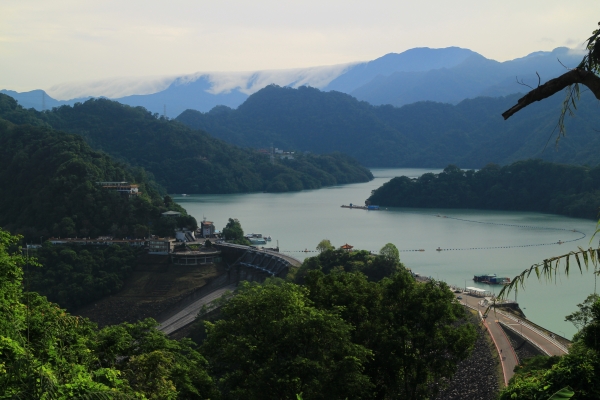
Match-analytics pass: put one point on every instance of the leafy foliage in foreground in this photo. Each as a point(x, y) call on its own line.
point(45, 353)
point(375, 267)
point(340, 335)
point(48, 185)
point(184, 160)
point(532, 185)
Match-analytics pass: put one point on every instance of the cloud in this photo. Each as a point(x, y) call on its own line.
point(221, 82)
point(250, 82)
point(111, 87)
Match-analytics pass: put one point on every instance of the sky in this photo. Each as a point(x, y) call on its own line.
point(45, 43)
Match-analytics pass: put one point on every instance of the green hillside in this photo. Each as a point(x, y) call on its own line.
point(181, 159)
point(48, 181)
point(531, 185)
point(425, 134)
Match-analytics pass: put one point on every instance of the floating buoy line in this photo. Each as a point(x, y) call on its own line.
point(439, 249)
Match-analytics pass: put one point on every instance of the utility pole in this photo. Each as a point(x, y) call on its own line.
point(164, 111)
point(43, 101)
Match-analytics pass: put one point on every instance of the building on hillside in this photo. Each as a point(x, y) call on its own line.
point(207, 229)
point(171, 214)
point(185, 235)
point(124, 188)
point(100, 241)
point(159, 246)
point(347, 247)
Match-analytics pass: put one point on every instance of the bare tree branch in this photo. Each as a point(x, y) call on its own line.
point(587, 78)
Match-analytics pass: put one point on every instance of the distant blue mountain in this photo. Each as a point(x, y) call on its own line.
point(472, 77)
point(417, 59)
point(39, 99)
point(182, 95)
point(447, 75)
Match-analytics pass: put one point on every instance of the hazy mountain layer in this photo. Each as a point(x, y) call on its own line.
point(447, 75)
point(474, 76)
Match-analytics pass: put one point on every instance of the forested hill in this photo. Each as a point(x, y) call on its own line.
point(532, 185)
point(426, 134)
point(182, 159)
point(48, 185)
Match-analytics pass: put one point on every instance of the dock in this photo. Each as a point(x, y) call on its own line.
point(361, 207)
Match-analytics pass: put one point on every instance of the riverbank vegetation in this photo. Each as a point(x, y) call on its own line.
point(531, 185)
point(183, 160)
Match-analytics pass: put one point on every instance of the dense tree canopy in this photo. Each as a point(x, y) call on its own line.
point(73, 276)
point(375, 267)
point(45, 353)
point(273, 344)
point(424, 134)
point(233, 231)
point(48, 181)
point(338, 336)
point(184, 160)
point(531, 185)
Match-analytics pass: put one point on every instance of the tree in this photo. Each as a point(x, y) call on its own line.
point(233, 231)
point(325, 245)
point(583, 316)
point(272, 343)
point(46, 353)
point(416, 332)
point(390, 253)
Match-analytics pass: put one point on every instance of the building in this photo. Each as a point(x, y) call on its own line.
point(171, 214)
point(124, 188)
point(101, 241)
point(207, 228)
point(347, 247)
point(185, 235)
point(159, 246)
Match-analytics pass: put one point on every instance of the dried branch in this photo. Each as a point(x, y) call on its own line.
point(575, 76)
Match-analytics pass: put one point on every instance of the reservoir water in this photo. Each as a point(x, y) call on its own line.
point(299, 220)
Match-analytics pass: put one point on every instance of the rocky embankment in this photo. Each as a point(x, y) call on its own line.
point(476, 377)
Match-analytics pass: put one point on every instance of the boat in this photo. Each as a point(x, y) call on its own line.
point(492, 279)
point(267, 238)
point(255, 240)
point(438, 249)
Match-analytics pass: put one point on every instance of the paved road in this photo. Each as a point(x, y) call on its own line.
point(503, 346)
point(188, 314)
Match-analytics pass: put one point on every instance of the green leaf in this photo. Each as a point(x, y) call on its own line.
point(564, 393)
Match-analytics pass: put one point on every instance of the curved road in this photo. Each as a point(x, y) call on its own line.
point(187, 315)
point(503, 346)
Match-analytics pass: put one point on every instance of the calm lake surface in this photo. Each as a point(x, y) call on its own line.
point(300, 220)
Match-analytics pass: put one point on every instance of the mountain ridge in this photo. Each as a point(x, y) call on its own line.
point(448, 74)
point(470, 134)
